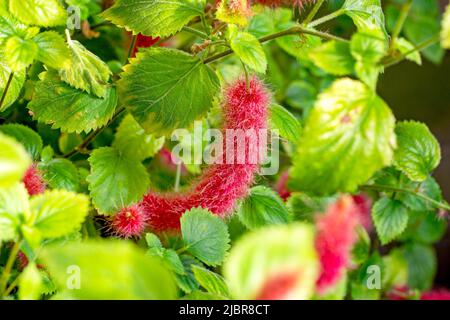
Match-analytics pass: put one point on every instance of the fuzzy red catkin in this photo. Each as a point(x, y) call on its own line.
point(221, 185)
point(277, 3)
point(33, 181)
point(129, 222)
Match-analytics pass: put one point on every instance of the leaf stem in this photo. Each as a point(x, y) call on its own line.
point(326, 18)
point(313, 12)
point(8, 85)
point(288, 32)
point(132, 45)
point(91, 136)
point(196, 32)
point(400, 22)
point(178, 177)
point(421, 46)
point(378, 187)
point(8, 267)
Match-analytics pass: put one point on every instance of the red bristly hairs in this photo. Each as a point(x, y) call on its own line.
point(34, 183)
point(129, 222)
point(221, 185)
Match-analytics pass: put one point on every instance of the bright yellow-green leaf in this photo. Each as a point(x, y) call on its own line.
point(14, 161)
point(45, 13)
point(20, 53)
point(52, 49)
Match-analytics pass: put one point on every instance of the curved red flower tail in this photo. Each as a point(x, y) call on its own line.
point(34, 183)
point(335, 239)
point(129, 222)
point(277, 3)
point(282, 186)
point(143, 42)
point(222, 184)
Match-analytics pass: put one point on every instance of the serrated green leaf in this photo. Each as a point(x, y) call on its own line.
point(422, 265)
point(406, 47)
point(13, 206)
point(20, 53)
point(166, 89)
point(429, 188)
point(187, 281)
point(262, 258)
point(153, 240)
point(136, 276)
point(212, 282)
point(445, 33)
point(425, 227)
point(30, 283)
point(285, 122)
point(85, 71)
point(390, 217)
point(367, 15)
point(262, 207)
point(249, 50)
point(52, 50)
point(418, 152)
point(334, 57)
point(304, 207)
point(26, 136)
point(60, 174)
point(132, 140)
point(348, 136)
point(115, 180)
point(368, 49)
point(157, 18)
point(205, 236)
point(69, 109)
point(58, 213)
point(15, 87)
point(169, 257)
point(14, 161)
point(45, 13)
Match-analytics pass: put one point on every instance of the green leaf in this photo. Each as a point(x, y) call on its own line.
point(334, 57)
point(418, 152)
point(202, 296)
point(422, 266)
point(52, 50)
point(445, 33)
point(157, 18)
point(262, 207)
point(14, 161)
point(30, 283)
point(285, 122)
point(205, 236)
point(86, 71)
point(262, 259)
point(361, 278)
point(58, 213)
point(187, 281)
point(396, 269)
point(169, 258)
point(69, 109)
point(153, 240)
point(166, 89)
point(406, 47)
point(423, 23)
point(390, 217)
point(368, 49)
point(212, 282)
point(26, 136)
point(348, 136)
point(132, 140)
point(304, 207)
point(249, 50)
point(60, 174)
point(425, 227)
point(45, 13)
point(20, 53)
point(135, 275)
point(15, 87)
point(429, 188)
point(13, 206)
point(367, 15)
point(115, 180)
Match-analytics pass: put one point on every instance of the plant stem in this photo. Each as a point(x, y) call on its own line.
point(288, 32)
point(91, 136)
point(11, 286)
point(8, 85)
point(132, 45)
point(196, 32)
point(421, 46)
point(178, 177)
point(378, 187)
point(8, 267)
point(313, 12)
point(400, 22)
point(326, 18)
